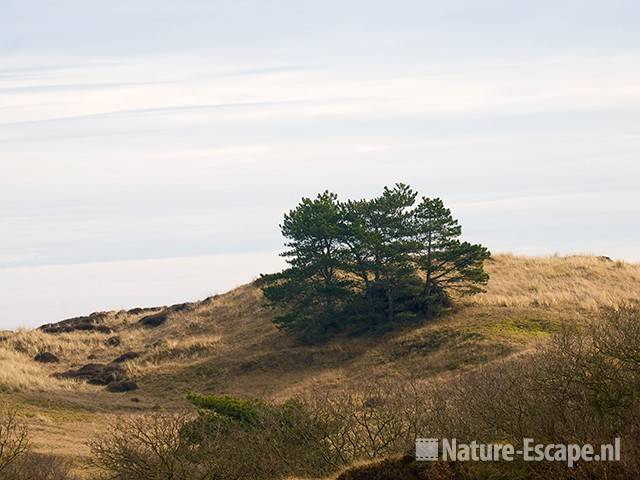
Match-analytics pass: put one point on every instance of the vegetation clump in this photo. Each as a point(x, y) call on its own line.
point(96, 373)
point(228, 438)
point(243, 411)
point(404, 468)
point(370, 262)
point(46, 357)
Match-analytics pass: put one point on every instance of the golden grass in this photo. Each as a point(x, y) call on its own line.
point(173, 351)
point(72, 346)
point(574, 282)
point(20, 373)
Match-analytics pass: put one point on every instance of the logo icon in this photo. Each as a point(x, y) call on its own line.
point(426, 449)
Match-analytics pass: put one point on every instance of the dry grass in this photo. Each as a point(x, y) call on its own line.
point(20, 374)
point(575, 282)
point(71, 347)
point(173, 351)
point(178, 349)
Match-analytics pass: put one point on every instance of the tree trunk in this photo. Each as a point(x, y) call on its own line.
point(427, 282)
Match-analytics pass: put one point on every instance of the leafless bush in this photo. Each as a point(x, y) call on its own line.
point(17, 461)
point(617, 335)
point(581, 387)
point(279, 442)
point(150, 447)
point(371, 419)
point(14, 438)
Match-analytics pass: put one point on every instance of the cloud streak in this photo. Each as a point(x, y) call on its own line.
point(178, 109)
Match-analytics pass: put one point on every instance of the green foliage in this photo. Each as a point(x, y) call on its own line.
point(445, 262)
point(377, 236)
point(368, 263)
point(311, 287)
point(243, 411)
point(257, 439)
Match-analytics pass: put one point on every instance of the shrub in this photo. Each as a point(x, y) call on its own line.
point(243, 411)
point(404, 468)
point(150, 447)
point(228, 439)
point(17, 462)
point(277, 439)
point(14, 439)
point(581, 387)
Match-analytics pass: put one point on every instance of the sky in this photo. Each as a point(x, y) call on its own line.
point(148, 149)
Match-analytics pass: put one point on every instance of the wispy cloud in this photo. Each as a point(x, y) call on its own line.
point(176, 109)
point(74, 87)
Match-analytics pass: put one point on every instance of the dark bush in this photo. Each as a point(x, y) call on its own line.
point(126, 357)
point(154, 320)
point(112, 341)
point(150, 448)
point(228, 439)
point(93, 322)
point(96, 373)
point(124, 386)
point(405, 468)
point(581, 387)
point(46, 357)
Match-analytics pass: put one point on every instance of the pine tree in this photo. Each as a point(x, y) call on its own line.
point(446, 262)
point(385, 223)
point(370, 261)
point(311, 287)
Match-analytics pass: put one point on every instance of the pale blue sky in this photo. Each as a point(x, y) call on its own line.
point(137, 135)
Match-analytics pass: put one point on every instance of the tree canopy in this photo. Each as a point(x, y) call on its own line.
point(371, 262)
